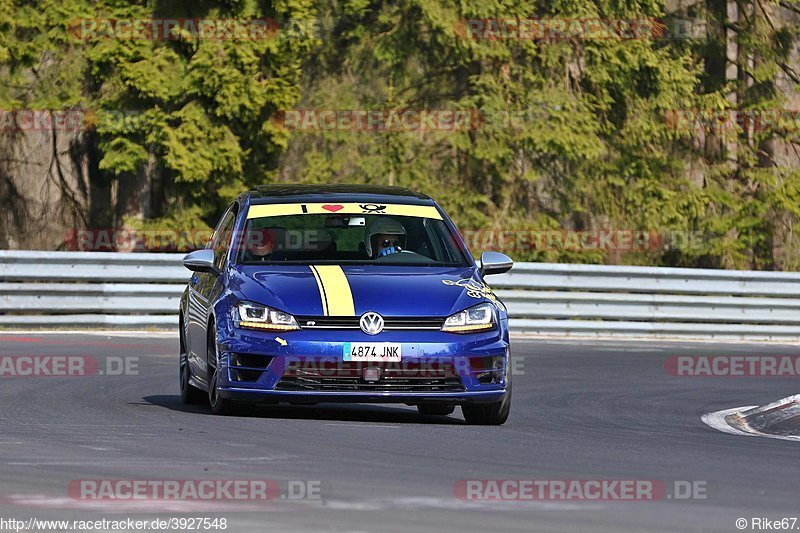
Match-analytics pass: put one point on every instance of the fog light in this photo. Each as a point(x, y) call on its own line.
point(488, 370)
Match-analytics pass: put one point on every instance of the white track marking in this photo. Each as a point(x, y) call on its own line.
point(717, 421)
point(456, 504)
point(96, 333)
point(364, 425)
point(145, 506)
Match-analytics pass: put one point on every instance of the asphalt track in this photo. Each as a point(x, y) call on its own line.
point(582, 410)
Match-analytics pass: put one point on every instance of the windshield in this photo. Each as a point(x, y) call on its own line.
point(349, 239)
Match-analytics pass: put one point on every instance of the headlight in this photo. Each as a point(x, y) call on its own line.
point(261, 317)
point(478, 318)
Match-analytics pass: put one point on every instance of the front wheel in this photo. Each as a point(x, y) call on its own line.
point(490, 414)
point(219, 405)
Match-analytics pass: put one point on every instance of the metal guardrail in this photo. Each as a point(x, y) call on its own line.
point(90, 289)
point(85, 289)
point(566, 299)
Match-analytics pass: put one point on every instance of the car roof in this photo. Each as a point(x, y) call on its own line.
point(282, 193)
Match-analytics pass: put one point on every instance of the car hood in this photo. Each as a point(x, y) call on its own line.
point(388, 290)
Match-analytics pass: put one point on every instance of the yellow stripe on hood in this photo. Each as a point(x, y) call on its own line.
point(321, 291)
point(334, 289)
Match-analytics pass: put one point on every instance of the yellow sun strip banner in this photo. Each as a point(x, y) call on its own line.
point(333, 208)
point(334, 290)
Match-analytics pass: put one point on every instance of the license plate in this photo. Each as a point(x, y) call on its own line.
point(371, 351)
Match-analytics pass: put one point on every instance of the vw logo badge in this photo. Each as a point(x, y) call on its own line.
point(371, 323)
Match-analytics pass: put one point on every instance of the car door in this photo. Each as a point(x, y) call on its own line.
point(204, 288)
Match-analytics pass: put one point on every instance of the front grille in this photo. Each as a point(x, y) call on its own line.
point(348, 376)
point(352, 322)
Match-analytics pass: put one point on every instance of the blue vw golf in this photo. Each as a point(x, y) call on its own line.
point(343, 293)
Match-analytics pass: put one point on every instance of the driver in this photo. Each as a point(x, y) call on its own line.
point(260, 245)
point(384, 236)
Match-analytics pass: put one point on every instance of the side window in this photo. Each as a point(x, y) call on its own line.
point(221, 242)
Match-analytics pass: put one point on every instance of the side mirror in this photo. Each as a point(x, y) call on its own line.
point(201, 261)
point(495, 263)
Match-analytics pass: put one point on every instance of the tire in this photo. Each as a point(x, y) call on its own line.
point(219, 405)
point(488, 414)
point(442, 409)
point(190, 394)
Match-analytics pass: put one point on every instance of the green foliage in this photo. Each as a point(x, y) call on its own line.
point(573, 134)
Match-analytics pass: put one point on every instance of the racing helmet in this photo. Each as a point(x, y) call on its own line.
point(383, 226)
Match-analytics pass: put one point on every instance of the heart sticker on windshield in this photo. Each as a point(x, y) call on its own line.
point(332, 208)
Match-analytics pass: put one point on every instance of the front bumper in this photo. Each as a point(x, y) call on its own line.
point(436, 367)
